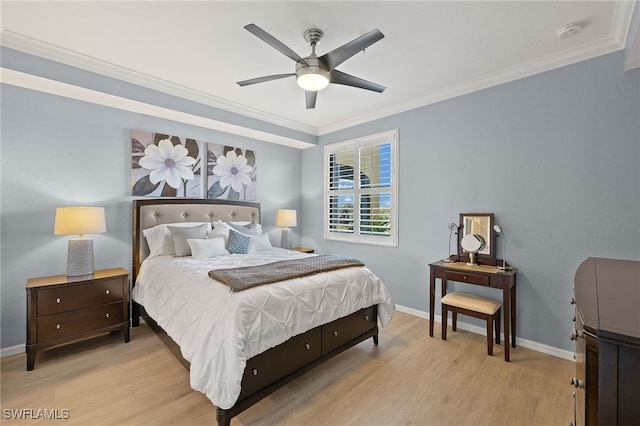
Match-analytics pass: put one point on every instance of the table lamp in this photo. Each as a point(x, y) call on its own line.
point(79, 221)
point(504, 266)
point(285, 219)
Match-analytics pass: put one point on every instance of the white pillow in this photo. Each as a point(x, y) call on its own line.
point(204, 249)
point(160, 240)
point(259, 243)
point(220, 229)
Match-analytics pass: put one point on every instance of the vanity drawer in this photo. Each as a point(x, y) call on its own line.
point(72, 297)
point(464, 277)
point(266, 368)
point(343, 330)
point(65, 324)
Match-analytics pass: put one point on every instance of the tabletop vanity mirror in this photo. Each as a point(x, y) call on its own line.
point(476, 239)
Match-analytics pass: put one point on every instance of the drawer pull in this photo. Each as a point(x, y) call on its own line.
point(576, 334)
point(106, 291)
point(58, 300)
point(255, 371)
point(335, 333)
point(58, 326)
point(465, 277)
point(308, 346)
point(107, 315)
point(576, 383)
point(366, 317)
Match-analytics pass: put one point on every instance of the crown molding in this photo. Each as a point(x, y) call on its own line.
point(54, 53)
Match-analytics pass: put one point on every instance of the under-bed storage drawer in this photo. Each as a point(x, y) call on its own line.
point(266, 368)
point(343, 330)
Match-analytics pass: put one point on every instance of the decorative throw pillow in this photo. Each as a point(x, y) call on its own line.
point(259, 243)
point(251, 228)
point(238, 242)
point(204, 249)
point(181, 235)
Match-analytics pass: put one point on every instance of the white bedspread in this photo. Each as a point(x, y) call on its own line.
point(218, 330)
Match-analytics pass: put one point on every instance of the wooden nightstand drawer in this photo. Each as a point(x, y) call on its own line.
point(68, 298)
point(464, 277)
point(57, 326)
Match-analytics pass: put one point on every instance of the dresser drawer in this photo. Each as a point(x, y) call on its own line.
point(57, 326)
point(343, 330)
point(266, 368)
point(72, 297)
point(464, 277)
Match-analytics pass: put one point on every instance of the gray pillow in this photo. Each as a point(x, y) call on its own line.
point(252, 228)
point(181, 235)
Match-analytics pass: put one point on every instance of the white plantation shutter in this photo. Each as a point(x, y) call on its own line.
point(361, 190)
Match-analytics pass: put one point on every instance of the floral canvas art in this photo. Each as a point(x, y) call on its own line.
point(231, 173)
point(164, 165)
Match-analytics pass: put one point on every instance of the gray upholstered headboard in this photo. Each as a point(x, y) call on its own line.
point(152, 212)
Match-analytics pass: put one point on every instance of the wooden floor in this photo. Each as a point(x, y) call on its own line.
point(409, 379)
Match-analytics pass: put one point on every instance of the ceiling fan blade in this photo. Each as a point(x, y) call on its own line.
point(344, 52)
point(273, 42)
point(339, 77)
point(310, 97)
point(263, 79)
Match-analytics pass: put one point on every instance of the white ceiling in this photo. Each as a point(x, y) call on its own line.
point(432, 50)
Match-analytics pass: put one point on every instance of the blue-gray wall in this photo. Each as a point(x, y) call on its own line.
point(555, 156)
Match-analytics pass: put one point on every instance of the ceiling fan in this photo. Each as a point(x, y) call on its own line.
point(314, 73)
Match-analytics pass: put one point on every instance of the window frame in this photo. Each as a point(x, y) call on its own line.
point(357, 191)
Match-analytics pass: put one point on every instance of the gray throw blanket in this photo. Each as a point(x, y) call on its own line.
point(242, 278)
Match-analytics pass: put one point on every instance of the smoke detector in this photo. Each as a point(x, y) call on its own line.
point(569, 30)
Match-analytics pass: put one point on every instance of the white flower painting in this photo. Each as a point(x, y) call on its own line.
point(231, 173)
point(164, 165)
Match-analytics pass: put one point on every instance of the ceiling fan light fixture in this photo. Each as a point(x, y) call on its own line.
point(312, 78)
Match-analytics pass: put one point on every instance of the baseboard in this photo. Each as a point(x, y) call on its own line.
point(525, 343)
point(12, 350)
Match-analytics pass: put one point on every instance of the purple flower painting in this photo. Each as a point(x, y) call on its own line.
point(164, 165)
point(231, 173)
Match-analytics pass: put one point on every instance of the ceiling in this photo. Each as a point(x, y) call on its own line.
point(431, 50)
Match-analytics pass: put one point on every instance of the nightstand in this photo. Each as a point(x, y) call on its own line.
point(303, 249)
point(61, 308)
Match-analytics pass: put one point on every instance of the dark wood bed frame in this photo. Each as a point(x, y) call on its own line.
point(274, 368)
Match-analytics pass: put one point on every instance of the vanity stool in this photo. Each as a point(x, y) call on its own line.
point(474, 306)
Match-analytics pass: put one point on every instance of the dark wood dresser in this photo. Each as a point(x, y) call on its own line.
point(61, 309)
point(607, 336)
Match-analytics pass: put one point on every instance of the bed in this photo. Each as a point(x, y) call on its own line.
point(240, 346)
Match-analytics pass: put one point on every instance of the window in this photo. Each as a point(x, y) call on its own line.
point(361, 190)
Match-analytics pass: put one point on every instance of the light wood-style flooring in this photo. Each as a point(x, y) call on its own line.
point(409, 379)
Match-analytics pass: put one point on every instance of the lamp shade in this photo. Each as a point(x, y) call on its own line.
point(286, 218)
point(79, 221)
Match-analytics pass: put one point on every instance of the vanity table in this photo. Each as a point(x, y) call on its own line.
point(482, 275)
